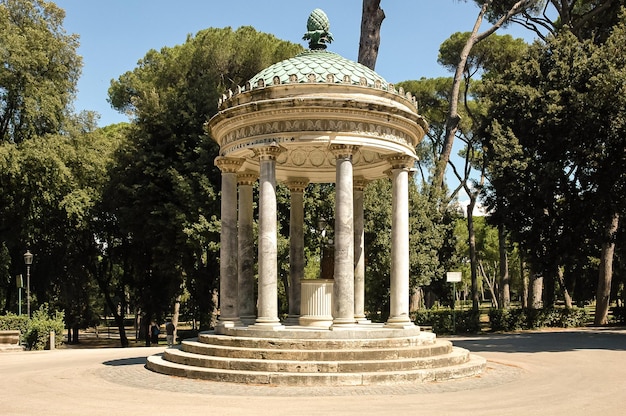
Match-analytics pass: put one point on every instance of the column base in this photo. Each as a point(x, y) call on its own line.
point(343, 323)
point(292, 320)
point(227, 323)
point(272, 324)
point(362, 320)
point(267, 327)
point(316, 321)
point(248, 320)
point(399, 322)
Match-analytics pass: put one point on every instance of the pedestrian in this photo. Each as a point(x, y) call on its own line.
point(169, 332)
point(154, 333)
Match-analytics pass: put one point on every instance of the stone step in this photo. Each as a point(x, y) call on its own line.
point(473, 366)
point(338, 353)
point(315, 344)
point(455, 357)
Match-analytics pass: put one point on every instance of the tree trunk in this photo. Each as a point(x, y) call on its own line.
point(371, 20)
point(75, 331)
point(453, 119)
point(490, 285)
point(415, 300)
point(505, 291)
point(472, 252)
point(535, 291)
point(525, 283)
point(549, 289)
point(214, 312)
point(566, 296)
point(605, 272)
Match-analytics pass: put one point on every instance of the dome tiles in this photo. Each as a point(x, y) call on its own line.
point(324, 66)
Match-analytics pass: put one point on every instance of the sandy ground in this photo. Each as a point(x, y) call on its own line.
point(563, 372)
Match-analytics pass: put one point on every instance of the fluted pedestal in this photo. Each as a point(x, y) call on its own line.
point(317, 301)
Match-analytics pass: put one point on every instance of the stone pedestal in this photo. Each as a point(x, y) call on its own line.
point(317, 300)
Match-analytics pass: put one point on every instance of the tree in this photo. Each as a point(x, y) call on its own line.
point(164, 193)
point(549, 175)
point(453, 117)
point(39, 69)
point(586, 19)
point(427, 234)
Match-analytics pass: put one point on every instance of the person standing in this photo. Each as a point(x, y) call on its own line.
point(169, 332)
point(154, 333)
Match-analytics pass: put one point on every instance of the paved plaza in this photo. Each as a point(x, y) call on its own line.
point(559, 372)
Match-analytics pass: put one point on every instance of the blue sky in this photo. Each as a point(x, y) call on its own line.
point(115, 34)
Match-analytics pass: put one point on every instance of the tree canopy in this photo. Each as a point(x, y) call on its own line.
point(39, 69)
point(556, 140)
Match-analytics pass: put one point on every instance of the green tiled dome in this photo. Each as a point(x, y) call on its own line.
point(317, 64)
point(320, 63)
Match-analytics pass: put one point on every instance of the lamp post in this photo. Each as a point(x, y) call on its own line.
point(28, 260)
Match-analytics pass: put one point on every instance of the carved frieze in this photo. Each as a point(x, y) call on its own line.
point(300, 126)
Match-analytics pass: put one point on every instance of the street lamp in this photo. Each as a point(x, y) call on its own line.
point(28, 260)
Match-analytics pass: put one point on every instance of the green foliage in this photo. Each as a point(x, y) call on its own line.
point(507, 319)
point(14, 322)
point(51, 186)
point(619, 314)
point(41, 324)
point(492, 54)
point(446, 321)
point(163, 197)
point(555, 139)
point(39, 69)
point(517, 319)
point(427, 235)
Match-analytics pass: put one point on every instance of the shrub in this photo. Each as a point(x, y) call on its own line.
point(40, 326)
point(507, 319)
point(11, 321)
point(619, 314)
point(572, 318)
point(515, 319)
point(448, 322)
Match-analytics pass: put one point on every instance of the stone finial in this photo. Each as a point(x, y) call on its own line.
point(318, 27)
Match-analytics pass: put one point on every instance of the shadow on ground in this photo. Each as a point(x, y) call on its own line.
point(126, 361)
point(540, 341)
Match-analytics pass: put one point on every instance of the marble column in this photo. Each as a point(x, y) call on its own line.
point(359, 253)
point(296, 247)
point(228, 297)
point(247, 299)
point(343, 288)
point(267, 315)
point(399, 285)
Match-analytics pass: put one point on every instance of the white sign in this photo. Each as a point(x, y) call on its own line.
point(453, 276)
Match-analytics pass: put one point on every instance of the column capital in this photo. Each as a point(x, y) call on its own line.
point(343, 150)
point(247, 178)
point(297, 184)
point(270, 152)
point(401, 161)
point(228, 164)
point(359, 183)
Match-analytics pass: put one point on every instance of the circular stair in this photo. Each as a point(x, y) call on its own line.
point(304, 357)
